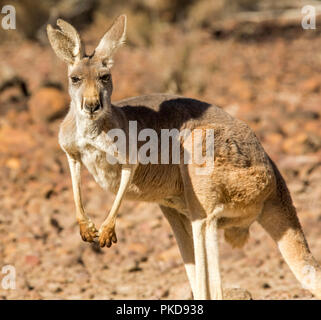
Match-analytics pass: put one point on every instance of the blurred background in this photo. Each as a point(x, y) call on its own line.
point(252, 58)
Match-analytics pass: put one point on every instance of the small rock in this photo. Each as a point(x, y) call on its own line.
point(311, 85)
point(236, 294)
point(13, 163)
point(169, 255)
point(48, 104)
point(137, 248)
point(181, 292)
point(133, 267)
point(302, 143)
point(15, 141)
point(32, 260)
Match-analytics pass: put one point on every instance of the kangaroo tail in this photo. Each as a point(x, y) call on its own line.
point(279, 219)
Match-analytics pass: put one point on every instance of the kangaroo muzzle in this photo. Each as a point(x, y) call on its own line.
point(91, 105)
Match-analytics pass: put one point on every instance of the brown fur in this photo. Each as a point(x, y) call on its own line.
point(244, 186)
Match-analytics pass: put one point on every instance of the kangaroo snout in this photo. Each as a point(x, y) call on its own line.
point(91, 106)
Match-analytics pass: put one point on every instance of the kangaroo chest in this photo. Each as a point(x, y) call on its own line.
point(156, 185)
point(95, 158)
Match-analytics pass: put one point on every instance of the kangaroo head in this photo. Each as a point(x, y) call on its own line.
point(90, 82)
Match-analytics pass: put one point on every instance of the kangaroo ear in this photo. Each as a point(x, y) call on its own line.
point(112, 40)
point(65, 42)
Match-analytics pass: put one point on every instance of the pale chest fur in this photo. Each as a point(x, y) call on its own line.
point(94, 155)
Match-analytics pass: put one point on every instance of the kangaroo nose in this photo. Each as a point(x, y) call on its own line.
point(91, 107)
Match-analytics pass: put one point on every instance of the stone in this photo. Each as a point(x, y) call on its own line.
point(47, 104)
point(236, 294)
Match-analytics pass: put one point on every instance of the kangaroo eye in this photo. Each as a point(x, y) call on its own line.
point(75, 80)
point(104, 77)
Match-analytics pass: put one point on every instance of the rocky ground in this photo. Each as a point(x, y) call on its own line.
point(273, 84)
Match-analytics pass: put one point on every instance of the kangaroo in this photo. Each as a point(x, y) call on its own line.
point(244, 186)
